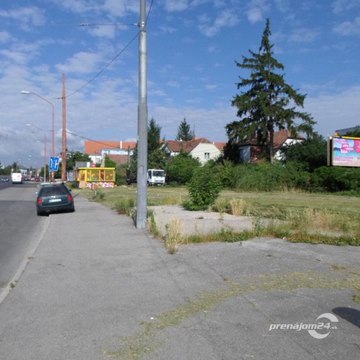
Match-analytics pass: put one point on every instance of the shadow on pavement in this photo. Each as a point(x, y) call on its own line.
point(349, 314)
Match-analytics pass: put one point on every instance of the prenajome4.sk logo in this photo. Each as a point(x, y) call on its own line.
point(325, 322)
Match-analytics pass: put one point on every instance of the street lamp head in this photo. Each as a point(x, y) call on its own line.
point(25, 92)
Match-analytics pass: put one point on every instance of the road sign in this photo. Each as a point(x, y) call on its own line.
point(54, 163)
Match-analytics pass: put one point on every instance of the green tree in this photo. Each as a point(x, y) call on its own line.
point(15, 167)
point(267, 103)
point(73, 156)
point(109, 162)
point(184, 133)
point(311, 153)
point(180, 168)
point(154, 132)
point(156, 155)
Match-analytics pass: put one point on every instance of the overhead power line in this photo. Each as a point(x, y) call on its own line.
point(92, 140)
point(105, 67)
point(117, 55)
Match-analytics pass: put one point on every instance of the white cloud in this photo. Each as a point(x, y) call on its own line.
point(256, 10)
point(226, 18)
point(340, 6)
point(76, 6)
point(211, 86)
point(176, 5)
point(115, 8)
point(25, 17)
point(348, 27)
point(121, 7)
point(15, 56)
point(174, 84)
point(167, 29)
point(4, 37)
point(337, 110)
point(209, 123)
point(103, 31)
point(81, 63)
point(283, 5)
point(21, 53)
point(303, 35)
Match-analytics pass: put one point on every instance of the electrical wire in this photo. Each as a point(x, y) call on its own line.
point(105, 67)
point(95, 141)
point(114, 58)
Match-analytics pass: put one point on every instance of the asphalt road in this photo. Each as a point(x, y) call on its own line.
point(19, 227)
point(4, 184)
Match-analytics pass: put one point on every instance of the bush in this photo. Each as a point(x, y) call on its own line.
point(125, 206)
point(334, 179)
point(269, 177)
point(226, 172)
point(180, 168)
point(311, 153)
point(204, 188)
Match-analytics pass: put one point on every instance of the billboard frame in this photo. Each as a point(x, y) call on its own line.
point(343, 151)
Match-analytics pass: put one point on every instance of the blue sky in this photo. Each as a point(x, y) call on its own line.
point(192, 49)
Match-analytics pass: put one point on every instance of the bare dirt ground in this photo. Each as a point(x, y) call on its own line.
point(199, 222)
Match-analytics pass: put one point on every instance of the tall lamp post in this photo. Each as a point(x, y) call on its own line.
point(45, 148)
point(25, 92)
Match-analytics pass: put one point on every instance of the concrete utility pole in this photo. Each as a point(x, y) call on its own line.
point(63, 150)
point(141, 212)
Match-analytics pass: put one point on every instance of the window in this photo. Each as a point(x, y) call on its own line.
point(207, 156)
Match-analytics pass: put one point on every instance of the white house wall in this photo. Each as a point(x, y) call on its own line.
point(205, 152)
point(279, 155)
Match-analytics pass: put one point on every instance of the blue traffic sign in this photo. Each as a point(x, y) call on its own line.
point(54, 163)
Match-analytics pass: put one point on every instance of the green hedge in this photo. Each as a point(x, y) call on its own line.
point(277, 177)
point(335, 179)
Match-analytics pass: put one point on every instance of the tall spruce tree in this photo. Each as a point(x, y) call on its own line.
point(156, 155)
point(184, 133)
point(267, 103)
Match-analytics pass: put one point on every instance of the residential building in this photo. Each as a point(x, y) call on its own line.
point(250, 152)
point(118, 151)
point(199, 148)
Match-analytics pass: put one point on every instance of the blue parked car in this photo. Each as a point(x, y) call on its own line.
point(54, 197)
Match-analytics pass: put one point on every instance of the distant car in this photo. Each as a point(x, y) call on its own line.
point(54, 197)
point(17, 178)
point(4, 179)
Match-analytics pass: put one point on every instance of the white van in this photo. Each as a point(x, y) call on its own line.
point(16, 178)
point(156, 177)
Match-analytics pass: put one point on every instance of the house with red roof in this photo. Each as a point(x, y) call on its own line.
point(121, 151)
point(199, 148)
point(118, 151)
point(250, 152)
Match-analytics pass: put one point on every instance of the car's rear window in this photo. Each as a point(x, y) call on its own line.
point(53, 190)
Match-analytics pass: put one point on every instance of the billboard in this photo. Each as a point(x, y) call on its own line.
point(344, 151)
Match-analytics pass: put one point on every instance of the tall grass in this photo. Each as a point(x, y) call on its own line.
point(173, 236)
point(296, 215)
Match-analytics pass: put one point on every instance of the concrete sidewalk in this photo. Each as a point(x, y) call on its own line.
point(97, 288)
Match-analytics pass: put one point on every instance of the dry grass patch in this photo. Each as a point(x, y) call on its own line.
point(239, 207)
point(173, 236)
